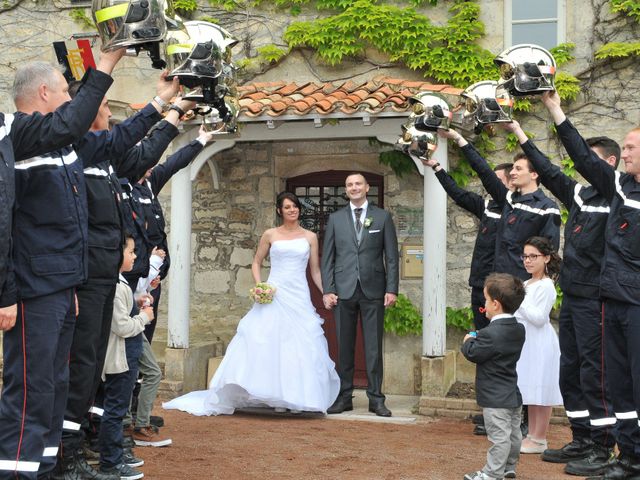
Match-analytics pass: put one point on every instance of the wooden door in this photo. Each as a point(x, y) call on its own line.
point(322, 193)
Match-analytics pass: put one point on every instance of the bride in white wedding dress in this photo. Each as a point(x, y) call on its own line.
point(279, 356)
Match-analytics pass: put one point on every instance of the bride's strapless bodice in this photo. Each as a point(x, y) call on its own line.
point(289, 260)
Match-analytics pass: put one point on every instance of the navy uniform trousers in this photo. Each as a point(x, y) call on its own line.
point(34, 392)
point(622, 358)
point(582, 380)
point(86, 361)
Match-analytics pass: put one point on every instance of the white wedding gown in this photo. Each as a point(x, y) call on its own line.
point(279, 355)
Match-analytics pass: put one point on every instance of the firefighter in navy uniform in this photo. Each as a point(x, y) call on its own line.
point(146, 191)
point(95, 297)
point(488, 212)
point(48, 261)
point(619, 282)
point(527, 211)
point(24, 136)
point(582, 384)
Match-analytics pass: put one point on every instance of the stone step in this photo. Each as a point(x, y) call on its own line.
point(170, 389)
point(465, 408)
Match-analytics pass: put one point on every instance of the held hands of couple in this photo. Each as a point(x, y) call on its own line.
point(330, 300)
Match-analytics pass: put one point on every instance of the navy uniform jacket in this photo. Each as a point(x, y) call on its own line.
point(488, 211)
point(585, 227)
point(496, 351)
point(523, 216)
point(620, 272)
point(146, 195)
point(28, 136)
point(104, 195)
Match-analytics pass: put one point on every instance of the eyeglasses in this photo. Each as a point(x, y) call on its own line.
point(531, 257)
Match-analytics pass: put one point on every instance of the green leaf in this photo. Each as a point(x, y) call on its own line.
point(400, 163)
point(80, 16)
point(403, 318)
point(563, 53)
point(271, 53)
point(461, 318)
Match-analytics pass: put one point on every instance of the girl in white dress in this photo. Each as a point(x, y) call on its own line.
point(279, 356)
point(539, 364)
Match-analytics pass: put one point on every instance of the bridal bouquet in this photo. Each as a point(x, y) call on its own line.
point(262, 293)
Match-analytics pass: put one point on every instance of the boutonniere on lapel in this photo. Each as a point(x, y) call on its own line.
point(367, 222)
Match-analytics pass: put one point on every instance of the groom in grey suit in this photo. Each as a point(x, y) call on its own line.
point(360, 275)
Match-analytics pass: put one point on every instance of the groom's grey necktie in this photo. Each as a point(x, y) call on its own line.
point(358, 212)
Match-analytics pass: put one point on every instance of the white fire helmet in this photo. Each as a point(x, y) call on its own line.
point(431, 110)
point(421, 144)
point(526, 69)
point(483, 103)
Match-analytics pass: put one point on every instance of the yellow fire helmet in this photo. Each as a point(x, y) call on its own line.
point(135, 24)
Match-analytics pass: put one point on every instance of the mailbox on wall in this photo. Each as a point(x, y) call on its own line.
point(412, 261)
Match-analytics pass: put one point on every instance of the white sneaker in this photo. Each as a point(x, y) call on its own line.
point(479, 475)
point(536, 446)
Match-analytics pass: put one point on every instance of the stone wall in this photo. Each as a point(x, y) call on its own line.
point(227, 223)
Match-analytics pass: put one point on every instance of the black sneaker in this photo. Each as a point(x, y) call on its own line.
point(88, 472)
point(156, 421)
point(124, 472)
point(479, 430)
point(594, 464)
point(131, 460)
point(577, 449)
point(477, 419)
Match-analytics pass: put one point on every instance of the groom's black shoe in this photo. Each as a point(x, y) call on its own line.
point(379, 409)
point(341, 405)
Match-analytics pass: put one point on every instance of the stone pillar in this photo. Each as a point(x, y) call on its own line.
point(434, 281)
point(180, 251)
point(180, 241)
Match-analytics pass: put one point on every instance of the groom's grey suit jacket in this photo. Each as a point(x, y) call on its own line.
point(373, 260)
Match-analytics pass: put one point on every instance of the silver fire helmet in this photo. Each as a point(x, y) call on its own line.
point(526, 69)
point(128, 23)
point(418, 143)
point(483, 103)
point(199, 53)
point(431, 110)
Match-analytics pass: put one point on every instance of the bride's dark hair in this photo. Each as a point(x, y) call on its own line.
point(288, 196)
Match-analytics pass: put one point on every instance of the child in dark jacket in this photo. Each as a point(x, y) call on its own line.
point(495, 351)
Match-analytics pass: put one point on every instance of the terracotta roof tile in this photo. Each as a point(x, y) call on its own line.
point(377, 95)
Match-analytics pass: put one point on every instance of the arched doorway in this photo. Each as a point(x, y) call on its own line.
point(322, 193)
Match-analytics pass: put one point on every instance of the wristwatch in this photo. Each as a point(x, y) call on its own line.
point(175, 107)
point(163, 105)
point(434, 166)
